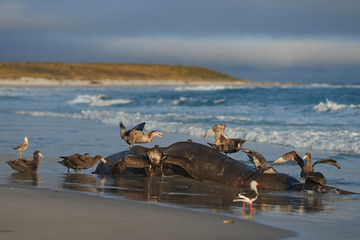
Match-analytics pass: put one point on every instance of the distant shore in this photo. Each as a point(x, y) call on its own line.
point(43, 82)
point(38, 82)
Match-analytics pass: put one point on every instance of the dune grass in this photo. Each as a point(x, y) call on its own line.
point(113, 71)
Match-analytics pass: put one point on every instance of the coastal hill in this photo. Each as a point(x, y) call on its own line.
point(110, 71)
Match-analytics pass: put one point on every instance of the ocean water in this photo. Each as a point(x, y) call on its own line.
point(323, 119)
point(314, 116)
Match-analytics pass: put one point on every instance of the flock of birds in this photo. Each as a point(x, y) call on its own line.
point(223, 144)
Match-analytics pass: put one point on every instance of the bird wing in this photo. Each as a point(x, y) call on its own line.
point(133, 161)
point(328, 161)
point(75, 160)
point(246, 195)
point(290, 156)
point(185, 163)
point(238, 140)
point(316, 177)
point(21, 146)
point(20, 163)
point(258, 160)
point(138, 127)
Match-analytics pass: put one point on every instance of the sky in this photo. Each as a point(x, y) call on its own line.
point(258, 40)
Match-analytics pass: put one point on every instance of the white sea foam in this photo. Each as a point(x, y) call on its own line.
point(187, 100)
point(50, 114)
point(311, 138)
point(86, 98)
point(330, 106)
point(219, 101)
point(329, 85)
point(98, 100)
point(202, 88)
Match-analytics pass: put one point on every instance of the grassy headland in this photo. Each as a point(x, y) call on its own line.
point(110, 71)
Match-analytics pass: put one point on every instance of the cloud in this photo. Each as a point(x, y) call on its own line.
point(17, 16)
point(256, 51)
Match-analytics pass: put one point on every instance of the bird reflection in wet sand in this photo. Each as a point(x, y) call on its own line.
point(134, 187)
point(187, 192)
point(26, 178)
point(82, 183)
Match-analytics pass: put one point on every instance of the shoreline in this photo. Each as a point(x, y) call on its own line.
point(43, 82)
point(55, 214)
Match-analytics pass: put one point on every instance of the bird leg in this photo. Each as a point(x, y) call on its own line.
point(161, 168)
point(244, 209)
point(251, 209)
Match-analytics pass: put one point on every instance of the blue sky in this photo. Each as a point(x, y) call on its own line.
point(259, 40)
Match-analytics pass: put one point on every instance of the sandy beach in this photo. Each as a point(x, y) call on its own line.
point(28, 213)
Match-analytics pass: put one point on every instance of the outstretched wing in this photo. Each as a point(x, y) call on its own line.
point(259, 161)
point(138, 127)
point(328, 161)
point(290, 156)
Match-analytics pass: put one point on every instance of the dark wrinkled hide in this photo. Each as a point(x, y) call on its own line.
point(213, 166)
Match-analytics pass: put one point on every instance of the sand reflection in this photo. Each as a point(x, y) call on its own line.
point(181, 191)
point(29, 178)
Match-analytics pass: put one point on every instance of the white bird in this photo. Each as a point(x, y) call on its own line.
point(248, 196)
point(22, 147)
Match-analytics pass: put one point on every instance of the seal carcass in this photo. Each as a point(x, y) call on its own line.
point(212, 166)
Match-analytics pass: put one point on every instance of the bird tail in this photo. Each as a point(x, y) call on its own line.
point(122, 130)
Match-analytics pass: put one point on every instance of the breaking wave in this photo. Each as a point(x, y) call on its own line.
point(193, 101)
point(311, 138)
point(98, 100)
point(330, 106)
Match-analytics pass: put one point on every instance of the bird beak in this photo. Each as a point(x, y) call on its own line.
point(278, 161)
point(159, 134)
point(41, 155)
point(103, 160)
point(258, 184)
point(208, 132)
point(304, 157)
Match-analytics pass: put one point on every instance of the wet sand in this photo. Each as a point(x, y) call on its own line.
point(32, 213)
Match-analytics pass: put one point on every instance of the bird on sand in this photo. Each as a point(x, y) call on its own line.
point(137, 135)
point(248, 196)
point(23, 146)
point(306, 167)
point(22, 165)
point(222, 142)
point(79, 161)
